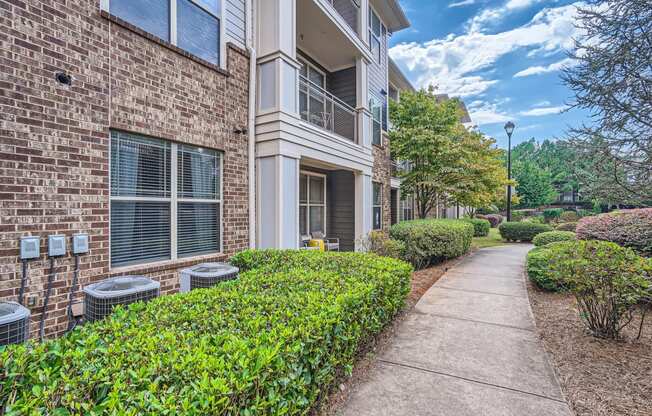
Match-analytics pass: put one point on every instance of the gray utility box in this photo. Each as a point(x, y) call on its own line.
point(100, 298)
point(206, 275)
point(14, 323)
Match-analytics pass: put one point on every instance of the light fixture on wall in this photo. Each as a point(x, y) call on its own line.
point(63, 78)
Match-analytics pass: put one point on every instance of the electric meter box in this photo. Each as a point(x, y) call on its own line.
point(56, 245)
point(30, 247)
point(80, 244)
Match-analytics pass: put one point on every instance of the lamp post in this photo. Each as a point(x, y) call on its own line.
point(509, 129)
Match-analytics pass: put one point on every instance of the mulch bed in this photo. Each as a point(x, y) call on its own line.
point(422, 280)
point(598, 377)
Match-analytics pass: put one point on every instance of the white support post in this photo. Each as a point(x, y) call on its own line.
point(363, 208)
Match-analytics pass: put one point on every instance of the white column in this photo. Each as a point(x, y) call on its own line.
point(363, 18)
point(276, 49)
point(362, 103)
point(278, 202)
point(363, 195)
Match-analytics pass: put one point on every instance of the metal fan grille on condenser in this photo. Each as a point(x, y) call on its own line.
point(102, 297)
point(14, 323)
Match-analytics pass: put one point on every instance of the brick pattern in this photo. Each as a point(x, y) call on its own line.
point(381, 172)
point(54, 139)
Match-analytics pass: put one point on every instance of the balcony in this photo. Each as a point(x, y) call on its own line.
point(324, 110)
point(349, 10)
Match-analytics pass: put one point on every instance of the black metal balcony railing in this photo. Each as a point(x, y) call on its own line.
point(349, 10)
point(323, 109)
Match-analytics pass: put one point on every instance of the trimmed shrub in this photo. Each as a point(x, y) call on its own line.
point(552, 237)
point(494, 219)
point(481, 226)
point(535, 219)
point(552, 214)
point(268, 343)
point(492, 209)
point(566, 226)
point(522, 231)
point(428, 241)
point(538, 269)
point(628, 228)
point(569, 216)
point(379, 243)
point(607, 280)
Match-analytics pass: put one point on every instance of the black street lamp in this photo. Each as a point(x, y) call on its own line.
point(509, 129)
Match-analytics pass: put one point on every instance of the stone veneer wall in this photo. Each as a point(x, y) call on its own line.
point(54, 139)
point(382, 173)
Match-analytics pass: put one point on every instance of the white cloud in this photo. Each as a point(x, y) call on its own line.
point(456, 63)
point(461, 3)
point(537, 70)
point(478, 23)
point(543, 111)
point(483, 113)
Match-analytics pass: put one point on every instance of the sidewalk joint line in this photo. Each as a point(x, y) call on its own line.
point(478, 322)
point(482, 274)
point(480, 291)
point(473, 381)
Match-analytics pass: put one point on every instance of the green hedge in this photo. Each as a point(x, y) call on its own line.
point(481, 226)
point(521, 231)
point(566, 226)
point(552, 237)
point(428, 241)
point(268, 343)
point(538, 268)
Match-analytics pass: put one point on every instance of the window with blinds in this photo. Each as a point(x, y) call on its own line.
point(159, 212)
point(377, 206)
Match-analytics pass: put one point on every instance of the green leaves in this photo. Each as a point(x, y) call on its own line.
point(522, 231)
point(269, 343)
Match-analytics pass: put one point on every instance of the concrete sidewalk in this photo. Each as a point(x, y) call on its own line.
point(467, 348)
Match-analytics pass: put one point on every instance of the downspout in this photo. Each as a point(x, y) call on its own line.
point(251, 127)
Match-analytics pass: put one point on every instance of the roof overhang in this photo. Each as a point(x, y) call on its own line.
point(392, 14)
point(397, 78)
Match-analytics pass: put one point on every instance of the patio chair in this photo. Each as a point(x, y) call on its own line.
point(331, 244)
point(305, 239)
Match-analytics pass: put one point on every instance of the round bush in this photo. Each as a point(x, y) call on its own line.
point(522, 231)
point(492, 209)
point(552, 237)
point(518, 216)
point(566, 226)
point(628, 228)
point(538, 269)
point(428, 241)
point(481, 226)
point(494, 219)
point(552, 214)
point(607, 280)
point(569, 216)
point(379, 243)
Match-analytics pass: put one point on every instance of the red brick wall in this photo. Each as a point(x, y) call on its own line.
point(54, 139)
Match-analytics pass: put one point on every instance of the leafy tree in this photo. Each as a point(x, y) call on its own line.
point(534, 184)
point(449, 162)
point(613, 81)
point(422, 131)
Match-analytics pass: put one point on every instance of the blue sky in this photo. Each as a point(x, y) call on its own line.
point(502, 57)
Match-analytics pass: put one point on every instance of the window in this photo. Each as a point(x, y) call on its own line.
point(375, 105)
point(312, 203)
point(377, 206)
point(407, 206)
point(374, 34)
point(192, 25)
point(312, 101)
point(165, 200)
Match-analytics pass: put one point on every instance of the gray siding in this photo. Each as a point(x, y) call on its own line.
point(348, 11)
point(342, 85)
point(234, 21)
point(340, 187)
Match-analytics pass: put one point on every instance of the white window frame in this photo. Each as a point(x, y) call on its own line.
point(374, 205)
point(374, 102)
point(105, 5)
point(174, 201)
point(307, 204)
point(372, 35)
